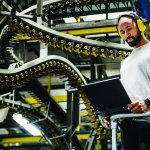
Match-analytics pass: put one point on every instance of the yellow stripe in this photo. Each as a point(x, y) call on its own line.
point(22, 140)
point(101, 30)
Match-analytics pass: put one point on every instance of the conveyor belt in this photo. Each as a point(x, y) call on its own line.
point(41, 66)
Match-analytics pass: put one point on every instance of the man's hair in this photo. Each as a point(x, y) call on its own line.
point(133, 16)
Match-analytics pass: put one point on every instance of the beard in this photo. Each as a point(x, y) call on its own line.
point(135, 40)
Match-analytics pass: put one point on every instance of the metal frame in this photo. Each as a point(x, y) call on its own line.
point(114, 119)
point(10, 98)
point(73, 116)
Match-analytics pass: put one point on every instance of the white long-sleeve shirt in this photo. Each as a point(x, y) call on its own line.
point(135, 73)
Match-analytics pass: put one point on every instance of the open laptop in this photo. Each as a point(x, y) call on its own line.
point(108, 96)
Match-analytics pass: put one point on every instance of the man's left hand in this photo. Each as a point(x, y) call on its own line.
point(138, 106)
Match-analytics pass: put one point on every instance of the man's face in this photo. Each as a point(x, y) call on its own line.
point(129, 31)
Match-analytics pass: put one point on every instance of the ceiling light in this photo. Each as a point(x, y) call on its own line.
point(117, 14)
point(70, 20)
point(94, 17)
point(103, 16)
point(26, 124)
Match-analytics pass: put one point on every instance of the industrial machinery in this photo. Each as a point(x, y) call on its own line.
point(21, 89)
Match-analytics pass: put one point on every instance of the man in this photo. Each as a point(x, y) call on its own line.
point(135, 77)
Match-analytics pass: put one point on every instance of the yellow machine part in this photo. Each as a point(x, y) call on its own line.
point(91, 31)
point(33, 139)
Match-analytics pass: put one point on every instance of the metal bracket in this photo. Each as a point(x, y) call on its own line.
point(10, 98)
point(14, 65)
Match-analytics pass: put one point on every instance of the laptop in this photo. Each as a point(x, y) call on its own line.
point(108, 96)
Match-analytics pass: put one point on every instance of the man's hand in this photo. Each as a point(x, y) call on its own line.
point(138, 106)
point(107, 122)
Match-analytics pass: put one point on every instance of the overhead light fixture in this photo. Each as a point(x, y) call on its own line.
point(70, 20)
point(26, 124)
point(117, 14)
point(103, 16)
point(95, 17)
point(100, 35)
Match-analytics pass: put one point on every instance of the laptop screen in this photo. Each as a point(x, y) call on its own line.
point(107, 95)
